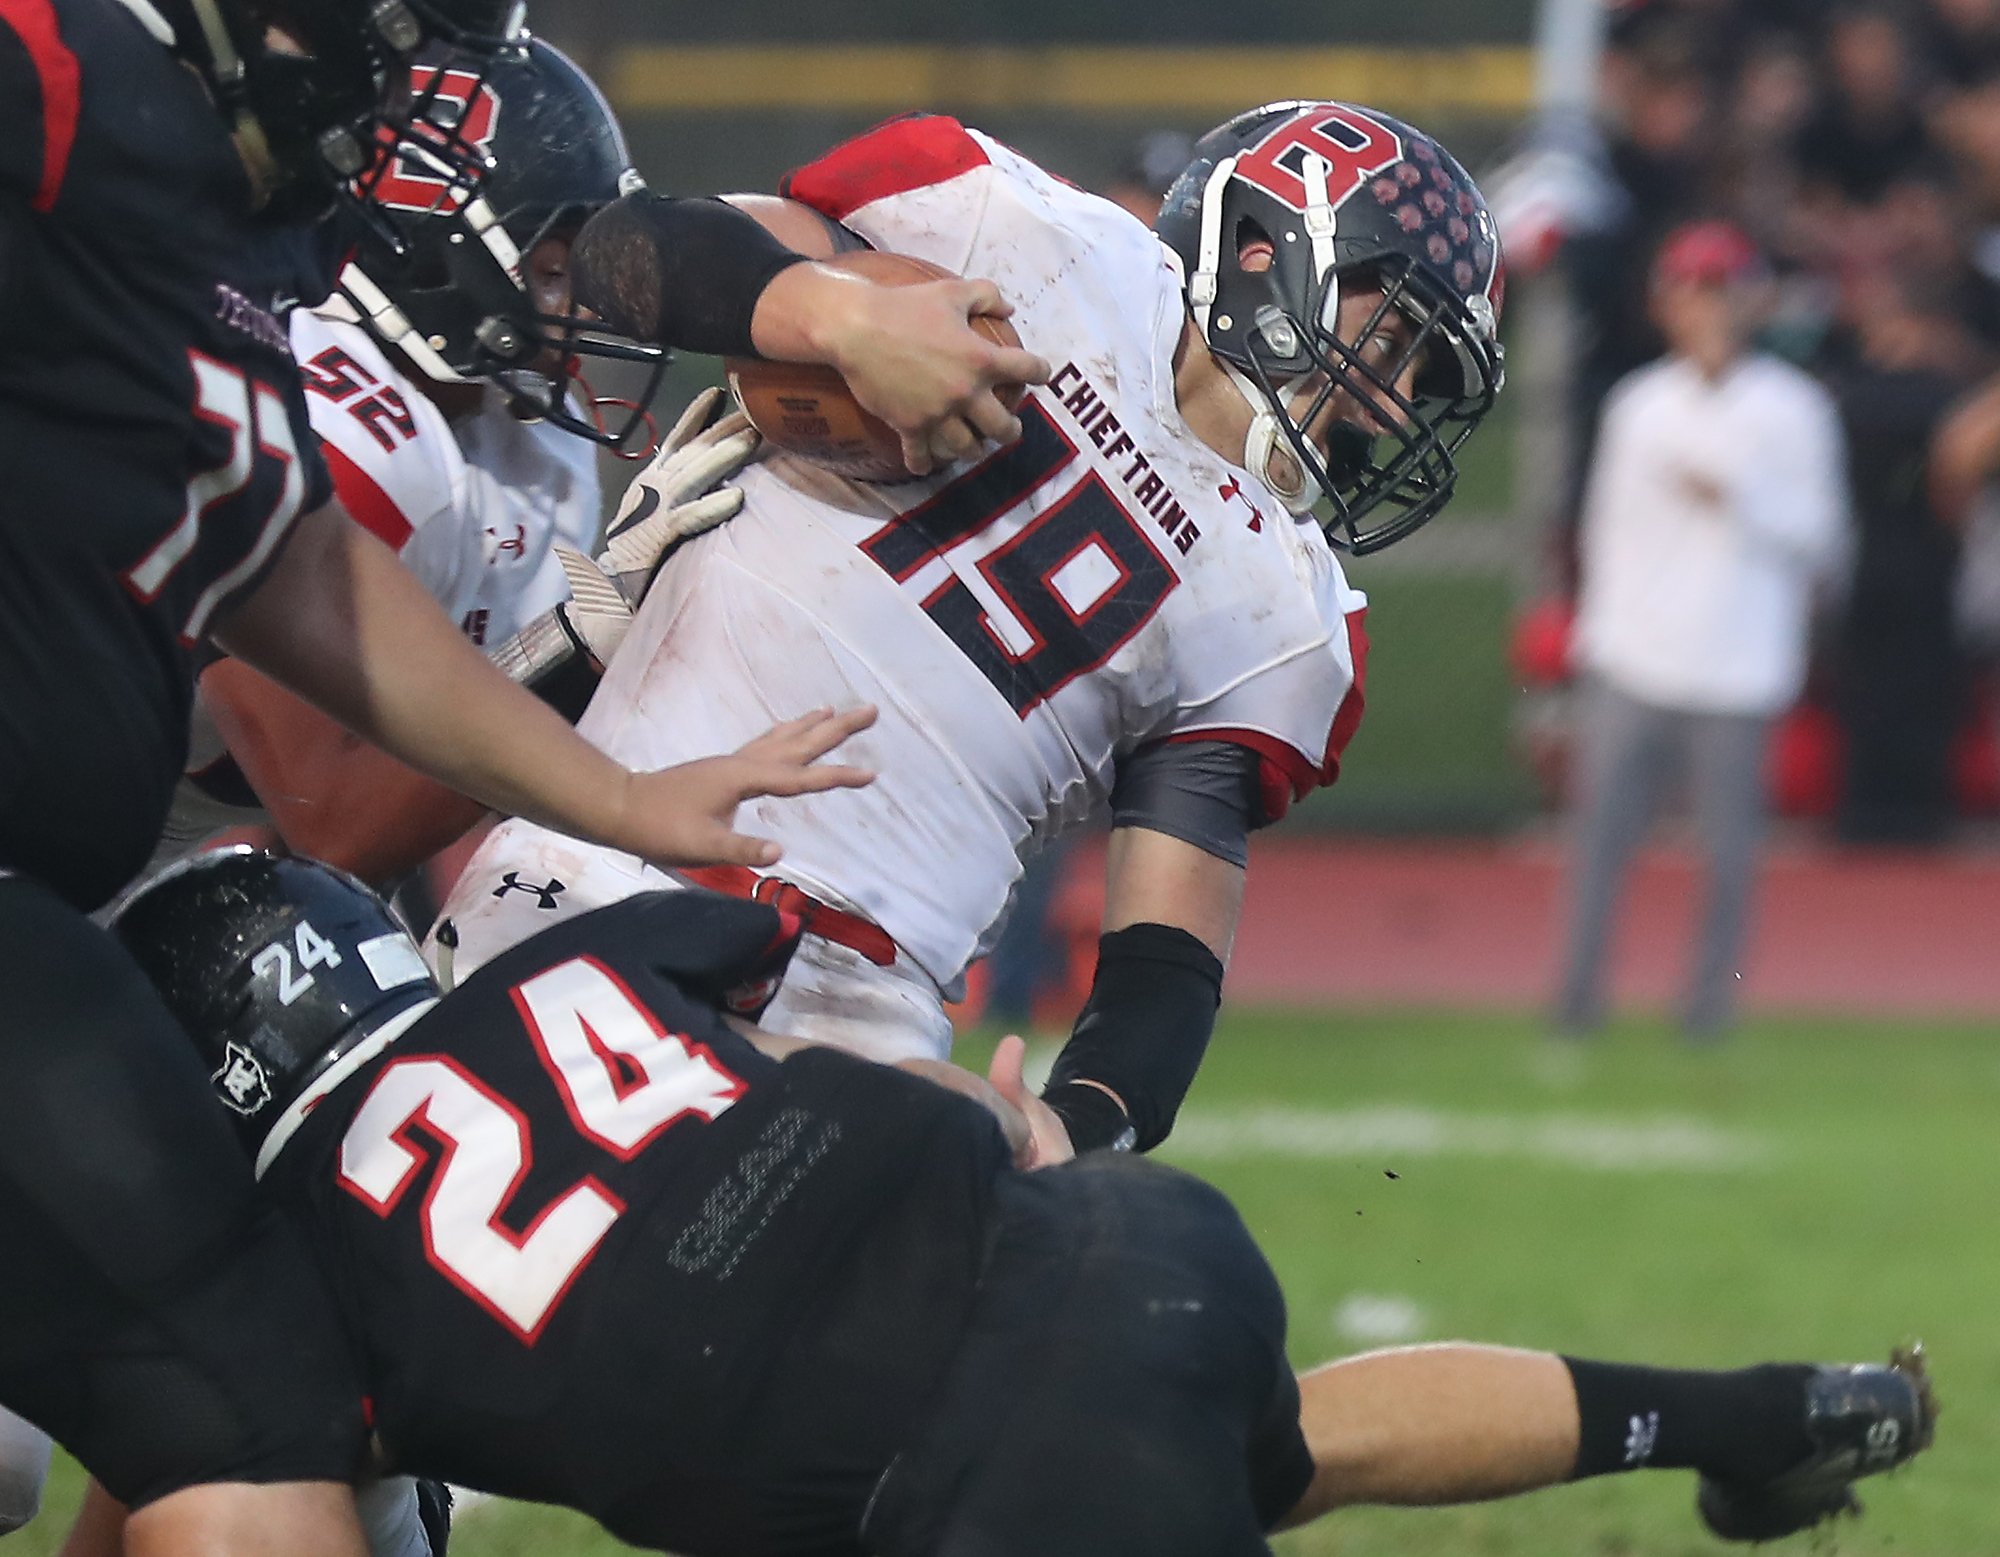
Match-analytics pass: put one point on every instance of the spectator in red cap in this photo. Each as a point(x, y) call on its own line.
point(1714, 505)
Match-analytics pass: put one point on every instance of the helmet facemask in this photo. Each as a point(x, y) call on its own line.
point(1406, 412)
point(306, 85)
point(442, 271)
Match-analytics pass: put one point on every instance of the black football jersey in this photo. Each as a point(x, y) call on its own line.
point(598, 1250)
point(154, 448)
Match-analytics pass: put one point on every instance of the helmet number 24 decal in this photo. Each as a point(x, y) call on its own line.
point(274, 962)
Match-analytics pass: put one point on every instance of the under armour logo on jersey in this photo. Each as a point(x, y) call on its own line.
point(512, 882)
point(1234, 488)
point(1641, 1437)
point(241, 1080)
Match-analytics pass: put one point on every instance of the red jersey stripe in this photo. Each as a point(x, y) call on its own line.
point(911, 152)
point(362, 496)
point(1348, 716)
point(1284, 773)
point(34, 22)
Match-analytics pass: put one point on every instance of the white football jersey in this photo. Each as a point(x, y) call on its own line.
point(1024, 621)
point(473, 507)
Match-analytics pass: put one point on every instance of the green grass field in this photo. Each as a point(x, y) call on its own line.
point(1812, 1191)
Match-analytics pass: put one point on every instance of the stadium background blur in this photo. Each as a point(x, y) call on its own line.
point(1422, 1160)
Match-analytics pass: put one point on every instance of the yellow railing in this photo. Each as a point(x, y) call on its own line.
point(662, 78)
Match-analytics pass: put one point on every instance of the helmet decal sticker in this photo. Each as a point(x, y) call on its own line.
point(465, 100)
point(1352, 147)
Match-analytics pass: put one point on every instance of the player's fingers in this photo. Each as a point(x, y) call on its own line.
point(811, 735)
point(1005, 1073)
point(705, 513)
point(984, 297)
point(1018, 1131)
point(732, 848)
point(721, 406)
point(732, 438)
point(787, 778)
point(732, 425)
point(692, 419)
point(1017, 365)
point(702, 463)
point(952, 439)
point(993, 419)
point(916, 454)
point(785, 729)
point(823, 734)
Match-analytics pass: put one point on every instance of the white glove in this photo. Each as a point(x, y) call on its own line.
point(676, 496)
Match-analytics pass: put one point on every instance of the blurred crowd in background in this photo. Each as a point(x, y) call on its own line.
point(1858, 146)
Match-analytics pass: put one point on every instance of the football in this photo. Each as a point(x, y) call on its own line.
point(806, 409)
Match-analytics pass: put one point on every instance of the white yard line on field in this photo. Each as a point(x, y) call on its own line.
point(1658, 1143)
point(1379, 1318)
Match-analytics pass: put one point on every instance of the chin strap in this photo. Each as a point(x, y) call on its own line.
point(150, 19)
point(1266, 438)
point(373, 307)
point(228, 78)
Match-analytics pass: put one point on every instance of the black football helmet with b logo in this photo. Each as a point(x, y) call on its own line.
point(447, 282)
point(1325, 200)
point(311, 87)
point(278, 969)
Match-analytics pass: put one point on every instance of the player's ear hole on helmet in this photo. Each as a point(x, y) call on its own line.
point(1256, 253)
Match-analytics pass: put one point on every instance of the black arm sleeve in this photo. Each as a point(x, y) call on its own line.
point(678, 272)
point(1201, 792)
point(1142, 1033)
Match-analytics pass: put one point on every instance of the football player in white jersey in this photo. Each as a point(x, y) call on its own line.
point(1132, 606)
point(487, 489)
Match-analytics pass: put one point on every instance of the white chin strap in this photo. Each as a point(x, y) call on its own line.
point(373, 308)
point(151, 20)
point(1267, 438)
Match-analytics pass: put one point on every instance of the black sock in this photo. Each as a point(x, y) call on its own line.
point(1747, 1425)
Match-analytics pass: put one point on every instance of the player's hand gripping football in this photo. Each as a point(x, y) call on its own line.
point(686, 815)
point(678, 494)
point(1048, 1140)
point(911, 355)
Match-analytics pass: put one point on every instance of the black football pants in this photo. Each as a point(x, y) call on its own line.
point(1120, 1391)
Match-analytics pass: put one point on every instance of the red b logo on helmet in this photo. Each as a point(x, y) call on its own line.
point(461, 99)
point(1352, 145)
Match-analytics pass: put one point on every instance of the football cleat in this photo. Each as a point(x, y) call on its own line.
point(1861, 1418)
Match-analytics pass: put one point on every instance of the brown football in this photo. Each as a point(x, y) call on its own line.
point(807, 409)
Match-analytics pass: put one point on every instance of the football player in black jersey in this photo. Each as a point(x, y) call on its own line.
point(161, 164)
point(598, 1244)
